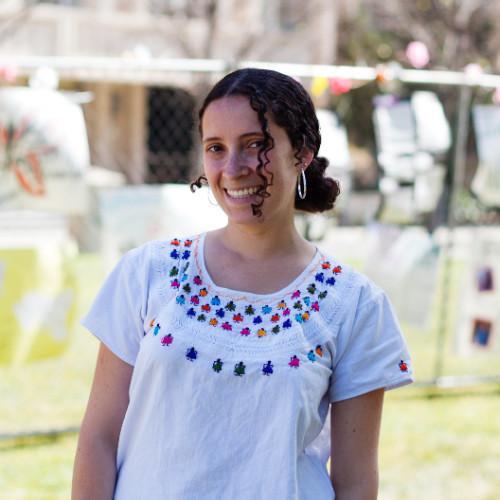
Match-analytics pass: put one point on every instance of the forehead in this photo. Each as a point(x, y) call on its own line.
point(231, 114)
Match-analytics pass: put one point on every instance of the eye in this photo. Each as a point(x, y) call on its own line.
point(256, 144)
point(214, 148)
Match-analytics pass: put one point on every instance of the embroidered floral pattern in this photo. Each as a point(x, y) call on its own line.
point(246, 319)
point(403, 366)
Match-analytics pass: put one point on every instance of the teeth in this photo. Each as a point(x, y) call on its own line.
point(241, 193)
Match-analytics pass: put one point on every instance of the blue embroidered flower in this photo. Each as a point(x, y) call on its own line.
point(191, 312)
point(266, 309)
point(180, 299)
point(311, 355)
point(330, 281)
point(157, 329)
point(174, 254)
point(215, 301)
point(220, 313)
point(191, 354)
point(307, 301)
point(298, 318)
point(184, 277)
point(267, 369)
point(186, 254)
point(320, 277)
point(257, 320)
point(287, 324)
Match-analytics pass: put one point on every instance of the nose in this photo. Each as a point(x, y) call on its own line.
point(236, 165)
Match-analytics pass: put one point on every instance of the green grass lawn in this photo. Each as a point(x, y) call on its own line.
point(435, 444)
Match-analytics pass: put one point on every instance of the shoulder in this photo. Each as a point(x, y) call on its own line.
point(156, 260)
point(352, 290)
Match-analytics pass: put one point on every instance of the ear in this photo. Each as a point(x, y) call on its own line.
point(307, 156)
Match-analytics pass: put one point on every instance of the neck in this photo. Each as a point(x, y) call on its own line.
point(257, 242)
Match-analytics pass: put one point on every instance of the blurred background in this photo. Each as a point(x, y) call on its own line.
point(98, 144)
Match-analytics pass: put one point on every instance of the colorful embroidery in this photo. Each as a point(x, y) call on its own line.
point(267, 369)
point(217, 365)
point(239, 369)
point(229, 315)
point(157, 329)
point(311, 356)
point(167, 340)
point(403, 366)
point(191, 354)
point(294, 362)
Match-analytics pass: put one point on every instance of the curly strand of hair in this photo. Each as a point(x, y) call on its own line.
point(259, 106)
point(198, 183)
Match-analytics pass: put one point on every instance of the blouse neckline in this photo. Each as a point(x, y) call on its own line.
point(296, 283)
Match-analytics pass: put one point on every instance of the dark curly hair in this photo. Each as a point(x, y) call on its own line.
point(285, 101)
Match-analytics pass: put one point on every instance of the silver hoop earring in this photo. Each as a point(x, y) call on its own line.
point(302, 190)
point(214, 203)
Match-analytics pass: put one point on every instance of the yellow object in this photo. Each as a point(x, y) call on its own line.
point(319, 85)
point(37, 303)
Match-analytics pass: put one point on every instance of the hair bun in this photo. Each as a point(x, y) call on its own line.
point(321, 191)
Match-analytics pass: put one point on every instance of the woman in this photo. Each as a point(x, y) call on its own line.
point(222, 353)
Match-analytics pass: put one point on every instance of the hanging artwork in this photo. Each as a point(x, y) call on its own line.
point(481, 332)
point(485, 279)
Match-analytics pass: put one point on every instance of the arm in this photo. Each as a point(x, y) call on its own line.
point(94, 472)
point(355, 425)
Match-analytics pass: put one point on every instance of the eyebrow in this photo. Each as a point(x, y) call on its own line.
point(242, 136)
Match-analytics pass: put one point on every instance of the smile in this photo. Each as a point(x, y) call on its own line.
point(242, 193)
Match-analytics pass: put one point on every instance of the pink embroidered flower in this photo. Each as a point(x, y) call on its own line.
point(286, 312)
point(294, 362)
point(245, 332)
point(167, 340)
point(175, 283)
point(197, 280)
point(296, 294)
point(315, 306)
point(226, 326)
point(195, 300)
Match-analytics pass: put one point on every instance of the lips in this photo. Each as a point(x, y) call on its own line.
point(242, 192)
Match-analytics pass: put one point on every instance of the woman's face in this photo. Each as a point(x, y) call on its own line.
point(232, 137)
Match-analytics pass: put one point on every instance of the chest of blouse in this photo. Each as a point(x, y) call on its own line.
point(227, 333)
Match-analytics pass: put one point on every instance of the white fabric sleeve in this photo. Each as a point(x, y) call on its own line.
point(371, 351)
point(117, 314)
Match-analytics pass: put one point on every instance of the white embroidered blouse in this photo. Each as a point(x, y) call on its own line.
point(231, 390)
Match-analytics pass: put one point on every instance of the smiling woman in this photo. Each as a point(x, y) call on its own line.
point(223, 353)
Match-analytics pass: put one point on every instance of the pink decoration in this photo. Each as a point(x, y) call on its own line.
point(8, 73)
point(417, 54)
point(340, 86)
point(496, 96)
